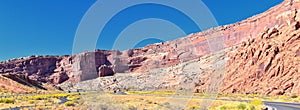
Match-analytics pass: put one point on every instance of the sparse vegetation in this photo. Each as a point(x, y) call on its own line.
point(151, 92)
point(257, 102)
point(42, 101)
point(235, 105)
point(47, 96)
point(7, 100)
point(241, 106)
point(135, 100)
point(193, 107)
point(69, 103)
point(73, 97)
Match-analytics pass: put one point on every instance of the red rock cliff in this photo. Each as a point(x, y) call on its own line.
point(87, 65)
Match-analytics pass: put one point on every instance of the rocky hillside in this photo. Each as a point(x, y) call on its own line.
point(17, 83)
point(39, 68)
point(273, 37)
point(267, 64)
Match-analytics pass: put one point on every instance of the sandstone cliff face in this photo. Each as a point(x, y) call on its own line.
point(88, 65)
point(58, 69)
point(85, 66)
point(267, 64)
point(36, 67)
point(199, 44)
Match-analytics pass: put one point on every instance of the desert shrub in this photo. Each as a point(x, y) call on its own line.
point(47, 96)
point(193, 107)
point(282, 97)
point(228, 107)
point(257, 102)
point(241, 106)
point(131, 107)
point(7, 100)
point(69, 103)
point(31, 101)
point(73, 98)
point(223, 107)
point(294, 96)
point(59, 95)
point(252, 107)
point(38, 97)
point(151, 92)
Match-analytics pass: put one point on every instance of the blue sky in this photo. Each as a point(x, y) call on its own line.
point(48, 27)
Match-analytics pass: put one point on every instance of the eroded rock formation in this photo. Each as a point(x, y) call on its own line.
point(270, 56)
point(267, 64)
point(105, 71)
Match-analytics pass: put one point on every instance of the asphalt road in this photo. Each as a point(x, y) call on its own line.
point(283, 105)
point(276, 105)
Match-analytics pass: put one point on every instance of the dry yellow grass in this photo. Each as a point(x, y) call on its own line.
point(158, 100)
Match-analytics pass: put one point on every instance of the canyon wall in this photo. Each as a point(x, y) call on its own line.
point(90, 65)
point(267, 64)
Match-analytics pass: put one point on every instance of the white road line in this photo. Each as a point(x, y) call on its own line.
point(271, 108)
